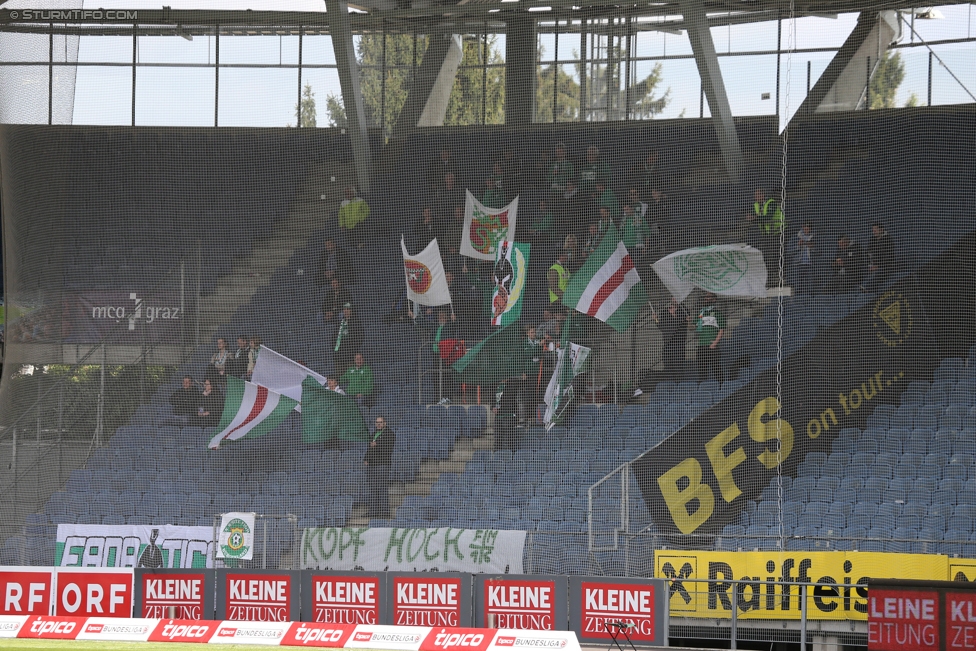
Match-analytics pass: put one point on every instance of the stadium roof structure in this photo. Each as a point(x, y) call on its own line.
point(521, 21)
point(667, 16)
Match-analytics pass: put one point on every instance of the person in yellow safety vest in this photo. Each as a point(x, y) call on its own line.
point(768, 214)
point(558, 277)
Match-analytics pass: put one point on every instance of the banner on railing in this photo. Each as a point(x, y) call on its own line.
point(413, 550)
point(701, 583)
point(152, 546)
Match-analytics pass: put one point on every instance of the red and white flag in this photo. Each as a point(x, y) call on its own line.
point(250, 410)
point(608, 287)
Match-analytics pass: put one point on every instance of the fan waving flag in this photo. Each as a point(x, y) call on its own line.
point(485, 228)
point(250, 411)
point(426, 281)
point(330, 415)
point(278, 373)
point(608, 286)
point(728, 269)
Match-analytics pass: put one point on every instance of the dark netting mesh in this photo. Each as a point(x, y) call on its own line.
point(199, 201)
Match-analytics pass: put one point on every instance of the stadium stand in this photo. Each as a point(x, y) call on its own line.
point(905, 483)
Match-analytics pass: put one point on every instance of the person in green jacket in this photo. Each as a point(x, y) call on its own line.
point(634, 233)
point(592, 170)
point(358, 381)
point(493, 197)
point(606, 198)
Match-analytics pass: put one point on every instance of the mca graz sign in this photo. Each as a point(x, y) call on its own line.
point(91, 317)
point(700, 478)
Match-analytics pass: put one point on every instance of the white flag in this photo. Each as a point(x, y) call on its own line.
point(426, 282)
point(727, 269)
point(236, 537)
point(250, 410)
point(560, 391)
point(485, 227)
point(281, 374)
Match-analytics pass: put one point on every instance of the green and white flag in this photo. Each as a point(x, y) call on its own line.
point(250, 411)
point(328, 415)
point(607, 286)
point(560, 392)
point(727, 269)
point(501, 355)
point(508, 277)
point(235, 539)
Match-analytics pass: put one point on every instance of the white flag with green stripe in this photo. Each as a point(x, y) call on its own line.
point(250, 411)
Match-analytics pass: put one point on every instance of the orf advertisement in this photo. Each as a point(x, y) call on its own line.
point(258, 595)
point(25, 591)
point(598, 604)
point(99, 593)
point(521, 602)
point(343, 597)
point(434, 599)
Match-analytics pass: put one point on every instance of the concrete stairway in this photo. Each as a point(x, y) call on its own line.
point(316, 201)
point(427, 476)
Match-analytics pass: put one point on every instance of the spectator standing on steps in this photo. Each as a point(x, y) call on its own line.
point(710, 326)
point(673, 324)
point(239, 368)
point(881, 252)
point(379, 458)
point(506, 403)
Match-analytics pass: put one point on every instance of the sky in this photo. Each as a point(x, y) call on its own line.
point(267, 96)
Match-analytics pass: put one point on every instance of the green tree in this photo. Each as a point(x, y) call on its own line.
point(336, 111)
point(887, 77)
point(383, 105)
point(567, 95)
point(606, 96)
point(305, 109)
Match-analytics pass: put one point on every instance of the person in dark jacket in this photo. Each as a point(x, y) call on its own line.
point(506, 405)
point(378, 459)
point(849, 266)
point(210, 406)
point(881, 252)
point(239, 363)
point(333, 261)
point(184, 401)
point(673, 324)
point(335, 297)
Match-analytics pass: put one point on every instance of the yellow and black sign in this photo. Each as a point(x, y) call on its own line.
point(701, 583)
point(701, 477)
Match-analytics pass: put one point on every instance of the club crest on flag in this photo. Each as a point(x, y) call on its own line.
point(233, 544)
point(485, 228)
point(715, 271)
point(236, 538)
point(425, 276)
point(486, 231)
point(418, 276)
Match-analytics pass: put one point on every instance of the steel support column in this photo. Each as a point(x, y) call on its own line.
point(703, 47)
